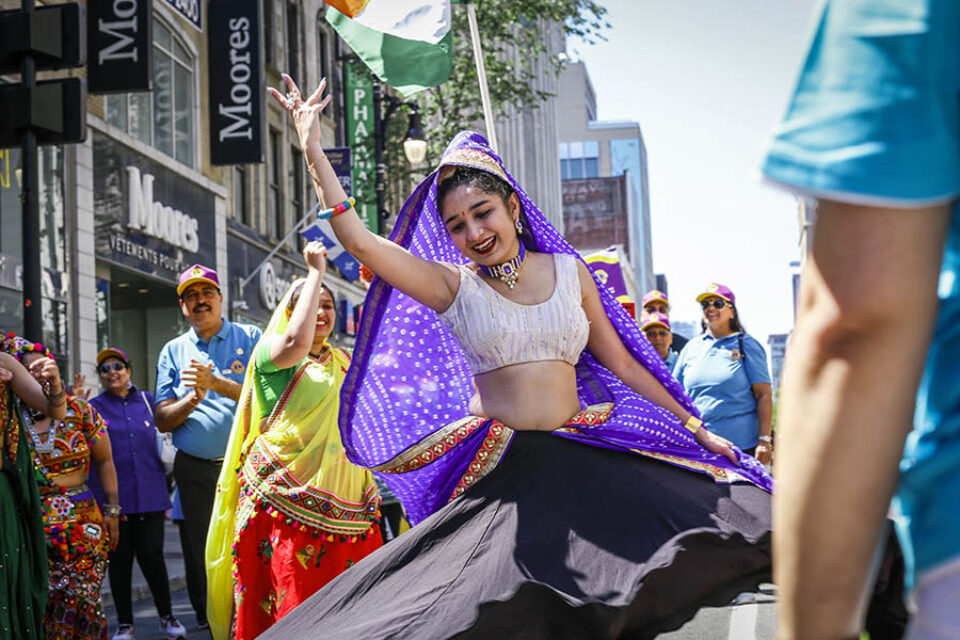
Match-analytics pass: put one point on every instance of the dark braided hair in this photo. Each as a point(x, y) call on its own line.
point(298, 289)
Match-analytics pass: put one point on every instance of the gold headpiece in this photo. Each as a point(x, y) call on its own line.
point(470, 158)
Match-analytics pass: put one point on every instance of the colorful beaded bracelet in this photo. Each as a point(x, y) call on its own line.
point(346, 205)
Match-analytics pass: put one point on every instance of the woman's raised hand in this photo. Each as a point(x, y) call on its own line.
point(315, 255)
point(305, 114)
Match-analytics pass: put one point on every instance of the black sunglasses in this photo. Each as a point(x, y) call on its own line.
point(116, 366)
point(661, 333)
point(717, 304)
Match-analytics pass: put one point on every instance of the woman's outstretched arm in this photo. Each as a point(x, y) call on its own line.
point(605, 344)
point(434, 284)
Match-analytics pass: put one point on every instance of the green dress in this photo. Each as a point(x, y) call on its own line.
point(23, 552)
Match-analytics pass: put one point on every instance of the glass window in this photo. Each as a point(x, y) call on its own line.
point(274, 206)
point(591, 168)
point(564, 169)
point(591, 149)
point(576, 150)
point(576, 169)
point(323, 41)
point(564, 150)
point(240, 208)
point(268, 35)
point(293, 41)
point(162, 118)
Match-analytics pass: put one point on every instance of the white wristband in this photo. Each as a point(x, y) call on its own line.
point(765, 438)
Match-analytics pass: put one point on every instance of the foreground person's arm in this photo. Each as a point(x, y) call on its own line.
point(29, 390)
point(846, 406)
point(605, 344)
point(432, 283)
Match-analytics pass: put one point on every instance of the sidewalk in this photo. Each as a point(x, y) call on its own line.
point(175, 570)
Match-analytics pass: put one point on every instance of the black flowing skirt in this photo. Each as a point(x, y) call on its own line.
point(560, 540)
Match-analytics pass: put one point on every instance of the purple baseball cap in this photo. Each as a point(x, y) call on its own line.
point(654, 296)
point(112, 352)
point(720, 291)
point(197, 273)
point(654, 320)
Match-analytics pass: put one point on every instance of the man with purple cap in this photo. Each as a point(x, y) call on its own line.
point(656, 326)
point(199, 375)
point(655, 301)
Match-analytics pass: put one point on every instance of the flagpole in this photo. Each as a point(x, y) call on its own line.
point(482, 76)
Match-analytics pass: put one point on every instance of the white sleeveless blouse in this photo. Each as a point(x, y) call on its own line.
point(496, 332)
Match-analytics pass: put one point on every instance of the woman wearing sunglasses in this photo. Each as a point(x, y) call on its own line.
point(724, 370)
point(142, 494)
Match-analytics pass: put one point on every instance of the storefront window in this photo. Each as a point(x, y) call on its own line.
point(274, 206)
point(53, 256)
point(162, 118)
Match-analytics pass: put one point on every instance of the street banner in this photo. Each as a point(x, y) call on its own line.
point(119, 46)
point(322, 231)
point(359, 103)
point(236, 82)
point(607, 268)
point(189, 9)
point(339, 158)
point(407, 44)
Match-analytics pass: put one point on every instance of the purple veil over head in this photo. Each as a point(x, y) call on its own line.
point(409, 375)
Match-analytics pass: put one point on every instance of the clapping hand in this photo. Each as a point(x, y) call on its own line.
point(199, 377)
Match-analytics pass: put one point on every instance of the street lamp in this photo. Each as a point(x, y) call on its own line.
point(414, 144)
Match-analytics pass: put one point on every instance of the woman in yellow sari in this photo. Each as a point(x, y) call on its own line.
point(291, 511)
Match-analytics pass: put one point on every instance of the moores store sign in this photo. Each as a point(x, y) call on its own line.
point(149, 218)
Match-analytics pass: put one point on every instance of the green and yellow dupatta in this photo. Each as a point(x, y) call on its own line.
point(294, 464)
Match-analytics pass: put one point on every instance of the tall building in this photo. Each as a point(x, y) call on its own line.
point(140, 200)
point(591, 149)
point(777, 342)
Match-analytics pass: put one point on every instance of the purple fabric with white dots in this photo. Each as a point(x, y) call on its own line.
point(409, 376)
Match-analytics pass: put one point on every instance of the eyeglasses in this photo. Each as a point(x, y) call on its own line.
point(657, 333)
point(116, 366)
point(191, 296)
point(716, 304)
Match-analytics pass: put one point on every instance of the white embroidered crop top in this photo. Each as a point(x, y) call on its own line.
point(496, 332)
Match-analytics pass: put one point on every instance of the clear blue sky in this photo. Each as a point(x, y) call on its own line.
point(708, 81)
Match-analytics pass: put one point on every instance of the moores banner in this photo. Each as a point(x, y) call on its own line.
point(119, 45)
point(237, 89)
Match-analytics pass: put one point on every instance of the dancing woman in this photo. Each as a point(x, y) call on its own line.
point(522, 526)
point(291, 511)
point(79, 536)
point(23, 585)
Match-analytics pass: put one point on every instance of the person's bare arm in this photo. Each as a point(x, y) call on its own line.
point(763, 393)
point(434, 284)
point(101, 455)
point(294, 345)
point(846, 405)
point(29, 390)
point(605, 344)
point(171, 414)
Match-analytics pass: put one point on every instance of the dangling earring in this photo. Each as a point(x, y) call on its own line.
point(519, 226)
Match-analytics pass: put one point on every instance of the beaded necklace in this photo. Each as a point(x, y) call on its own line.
point(508, 272)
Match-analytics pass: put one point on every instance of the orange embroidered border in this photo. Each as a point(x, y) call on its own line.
point(488, 456)
point(719, 474)
point(433, 447)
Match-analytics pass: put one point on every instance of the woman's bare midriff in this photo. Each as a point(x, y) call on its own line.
point(70, 480)
point(531, 396)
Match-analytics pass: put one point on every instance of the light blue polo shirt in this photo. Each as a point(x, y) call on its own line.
point(876, 118)
point(207, 429)
point(671, 359)
point(714, 375)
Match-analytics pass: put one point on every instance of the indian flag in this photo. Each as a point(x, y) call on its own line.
point(406, 43)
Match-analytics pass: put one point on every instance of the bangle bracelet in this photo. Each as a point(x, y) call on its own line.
point(765, 438)
point(693, 424)
point(112, 511)
point(346, 205)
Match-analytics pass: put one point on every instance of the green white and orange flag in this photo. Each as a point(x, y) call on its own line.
point(406, 43)
point(348, 7)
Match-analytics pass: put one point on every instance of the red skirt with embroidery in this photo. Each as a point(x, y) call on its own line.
point(280, 563)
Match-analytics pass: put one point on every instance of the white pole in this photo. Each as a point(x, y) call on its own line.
point(482, 75)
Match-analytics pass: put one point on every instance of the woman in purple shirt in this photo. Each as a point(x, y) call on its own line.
point(142, 491)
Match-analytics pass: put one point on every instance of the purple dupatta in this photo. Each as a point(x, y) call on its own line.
point(409, 377)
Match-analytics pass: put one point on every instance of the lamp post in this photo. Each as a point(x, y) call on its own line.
point(414, 144)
